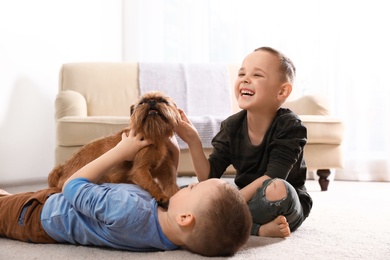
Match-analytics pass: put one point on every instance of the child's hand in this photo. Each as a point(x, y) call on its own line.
point(129, 146)
point(125, 150)
point(186, 130)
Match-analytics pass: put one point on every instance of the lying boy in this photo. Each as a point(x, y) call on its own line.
point(209, 218)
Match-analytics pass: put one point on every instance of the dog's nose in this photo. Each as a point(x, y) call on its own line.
point(152, 102)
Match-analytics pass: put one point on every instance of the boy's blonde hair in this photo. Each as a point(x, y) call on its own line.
point(222, 226)
point(286, 68)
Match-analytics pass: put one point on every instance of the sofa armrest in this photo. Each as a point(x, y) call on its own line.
point(70, 103)
point(323, 129)
point(309, 105)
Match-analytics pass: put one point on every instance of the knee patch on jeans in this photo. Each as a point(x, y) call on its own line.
point(262, 209)
point(275, 190)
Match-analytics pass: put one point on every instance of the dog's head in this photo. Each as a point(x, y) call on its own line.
point(155, 116)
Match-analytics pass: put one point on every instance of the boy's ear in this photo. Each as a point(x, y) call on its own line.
point(284, 91)
point(185, 220)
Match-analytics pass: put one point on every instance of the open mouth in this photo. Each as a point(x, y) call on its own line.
point(153, 115)
point(246, 92)
point(153, 112)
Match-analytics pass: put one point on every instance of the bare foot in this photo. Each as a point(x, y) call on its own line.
point(276, 228)
point(4, 193)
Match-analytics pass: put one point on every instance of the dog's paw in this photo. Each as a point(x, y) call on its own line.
point(162, 200)
point(163, 204)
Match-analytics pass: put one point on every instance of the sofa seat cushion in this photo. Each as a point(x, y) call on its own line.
point(78, 130)
point(323, 129)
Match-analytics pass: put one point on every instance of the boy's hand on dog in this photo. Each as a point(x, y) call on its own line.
point(186, 130)
point(130, 144)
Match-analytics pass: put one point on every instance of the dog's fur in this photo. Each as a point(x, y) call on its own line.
point(155, 116)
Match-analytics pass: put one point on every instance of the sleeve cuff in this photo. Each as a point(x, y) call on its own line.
point(255, 229)
point(72, 187)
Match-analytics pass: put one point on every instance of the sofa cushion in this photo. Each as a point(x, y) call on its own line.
point(78, 130)
point(109, 89)
point(309, 105)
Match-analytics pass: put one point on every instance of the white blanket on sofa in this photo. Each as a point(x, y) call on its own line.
point(202, 90)
point(207, 126)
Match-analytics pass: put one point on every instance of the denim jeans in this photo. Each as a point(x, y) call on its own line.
point(264, 210)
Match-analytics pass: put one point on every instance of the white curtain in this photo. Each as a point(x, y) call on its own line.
point(341, 50)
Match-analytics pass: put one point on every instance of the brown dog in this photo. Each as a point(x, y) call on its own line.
point(155, 116)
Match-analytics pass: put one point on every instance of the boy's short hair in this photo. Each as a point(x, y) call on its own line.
point(223, 226)
point(287, 68)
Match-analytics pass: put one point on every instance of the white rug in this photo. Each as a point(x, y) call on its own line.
point(349, 221)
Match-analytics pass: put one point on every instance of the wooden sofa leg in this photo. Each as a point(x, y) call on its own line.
point(323, 180)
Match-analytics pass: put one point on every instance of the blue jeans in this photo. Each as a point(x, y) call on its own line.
point(264, 210)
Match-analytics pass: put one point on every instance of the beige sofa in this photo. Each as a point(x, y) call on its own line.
point(94, 101)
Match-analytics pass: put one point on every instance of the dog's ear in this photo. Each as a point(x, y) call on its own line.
point(132, 109)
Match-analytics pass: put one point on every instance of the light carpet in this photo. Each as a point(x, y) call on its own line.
point(349, 221)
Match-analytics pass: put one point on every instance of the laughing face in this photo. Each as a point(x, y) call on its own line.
point(258, 84)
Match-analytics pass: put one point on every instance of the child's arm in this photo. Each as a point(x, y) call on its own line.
point(248, 191)
point(188, 133)
point(125, 150)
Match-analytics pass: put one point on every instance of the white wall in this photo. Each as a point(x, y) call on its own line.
point(36, 37)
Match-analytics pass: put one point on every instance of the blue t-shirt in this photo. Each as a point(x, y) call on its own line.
point(121, 216)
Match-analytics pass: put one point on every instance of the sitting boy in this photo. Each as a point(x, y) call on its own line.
point(209, 218)
point(265, 144)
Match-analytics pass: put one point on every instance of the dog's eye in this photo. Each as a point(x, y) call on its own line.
point(162, 100)
point(141, 102)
